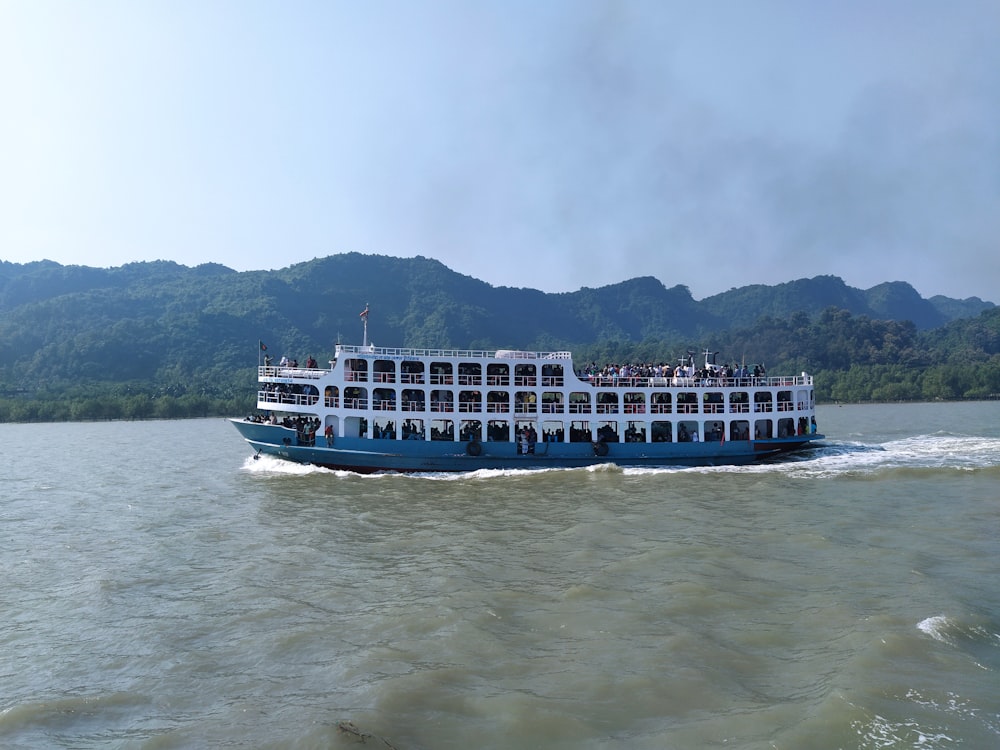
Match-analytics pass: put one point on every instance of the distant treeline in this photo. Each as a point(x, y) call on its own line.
point(852, 359)
point(163, 341)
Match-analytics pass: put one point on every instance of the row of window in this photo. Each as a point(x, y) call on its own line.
point(549, 402)
point(445, 373)
point(578, 431)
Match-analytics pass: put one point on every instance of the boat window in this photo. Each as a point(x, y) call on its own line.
point(607, 432)
point(786, 427)
point(498, 431)
point(384, 371)
point(687, 402)
point(739, 430)
point(413, 429)
point(470, 373)
point(412, 399)
point(714, 403)
point(762, 401)
point(331, 396)
point(553, 432)
point(470, 429)
point(785, 401)
point(526, 436)
point(552, 402)
point(442, 429)
point(739, 402)
point(714, 432)
point(635, 403)
point(579, 403)
point(579, 432)
point(498, 374)
point(356, 426)
point(662, 432)
point(524, 375)
point(635, 432)
point(356, 398)
point(661, 403)
point(763, 429)
point(470, 401)
point(525, 402)
point(441, 373)
point(384, 399)
point(688, 431)
point(442, 400)
point(803, 399)
point(411, 372)
point(356, 370)
point(497, 401)
point(607, 402)
point(552, 375)
point(384, 429)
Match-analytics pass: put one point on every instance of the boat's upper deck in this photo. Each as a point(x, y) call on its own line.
point(466, 354)
point(271, 373)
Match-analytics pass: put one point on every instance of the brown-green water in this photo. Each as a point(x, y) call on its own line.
point(163, 590)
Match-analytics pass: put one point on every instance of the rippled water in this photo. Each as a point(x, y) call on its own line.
point(163, 590)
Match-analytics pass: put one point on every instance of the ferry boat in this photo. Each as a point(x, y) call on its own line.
point(435, 410)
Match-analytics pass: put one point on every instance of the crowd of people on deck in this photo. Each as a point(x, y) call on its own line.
point(640, 373)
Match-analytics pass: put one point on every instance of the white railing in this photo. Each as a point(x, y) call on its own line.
point(401, 353)
point(309, 373)
point(614, 381)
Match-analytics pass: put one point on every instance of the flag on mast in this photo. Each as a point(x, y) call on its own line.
point(263, 346)
point(364, 314)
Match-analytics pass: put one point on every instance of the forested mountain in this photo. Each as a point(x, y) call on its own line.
point(152, 332)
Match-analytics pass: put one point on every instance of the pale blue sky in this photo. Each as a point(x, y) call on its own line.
point(551, 145)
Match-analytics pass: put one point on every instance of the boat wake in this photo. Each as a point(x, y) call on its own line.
point(825, 460)
point(840, 458)
point(976, 637)
point(950, 452)
point(264, 464)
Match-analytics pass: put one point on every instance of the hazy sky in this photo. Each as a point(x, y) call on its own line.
point(551, 145)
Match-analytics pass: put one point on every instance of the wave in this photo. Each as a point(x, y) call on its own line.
point(264, 464)
point(949, 452)
point(977, 637)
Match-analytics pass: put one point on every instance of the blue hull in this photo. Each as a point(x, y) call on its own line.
point(367, 456)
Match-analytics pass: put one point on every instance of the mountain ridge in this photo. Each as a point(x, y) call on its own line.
point(160, 320)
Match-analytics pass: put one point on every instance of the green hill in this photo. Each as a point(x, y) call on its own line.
point(152, 336)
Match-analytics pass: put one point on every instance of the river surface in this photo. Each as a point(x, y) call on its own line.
point(162, 590)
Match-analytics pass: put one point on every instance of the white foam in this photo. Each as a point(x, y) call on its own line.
point(934, 627)
point(264, 464)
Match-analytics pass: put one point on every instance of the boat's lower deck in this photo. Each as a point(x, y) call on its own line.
point(370, 455)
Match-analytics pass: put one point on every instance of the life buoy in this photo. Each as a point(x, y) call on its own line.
point(600, 448)
point(474, 448)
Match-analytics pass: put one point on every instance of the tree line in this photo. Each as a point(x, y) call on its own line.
point(853, 358)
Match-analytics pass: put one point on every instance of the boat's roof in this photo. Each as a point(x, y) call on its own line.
point(406, 353)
